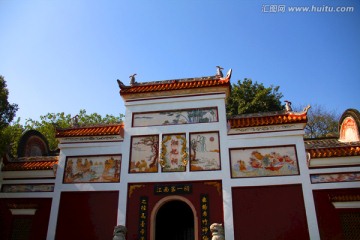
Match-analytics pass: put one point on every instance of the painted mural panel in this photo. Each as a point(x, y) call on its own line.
point(176, 117)
point(173, 153)
point(144, 154)
point(335, 177)
point(204, 151)
point(264, 161)
point(86, 169)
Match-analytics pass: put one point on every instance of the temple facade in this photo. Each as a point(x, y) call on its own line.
point(177, 165)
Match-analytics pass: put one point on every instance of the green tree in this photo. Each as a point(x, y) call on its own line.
point(10, 136)
point(249, 97)
point(7, 114)
point(48, 123)
point(322, 122)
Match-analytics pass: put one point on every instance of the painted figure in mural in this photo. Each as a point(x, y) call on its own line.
point(217, 231)
point(201, 143)
point(119, 232)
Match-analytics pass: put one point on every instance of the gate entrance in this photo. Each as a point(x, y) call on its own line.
point(174, 220)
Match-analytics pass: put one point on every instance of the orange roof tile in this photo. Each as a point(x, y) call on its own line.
point(274, 118)
point(344, 198)
point(30, 165)
point(178, 84)
point(103, 130)
point(326, 148)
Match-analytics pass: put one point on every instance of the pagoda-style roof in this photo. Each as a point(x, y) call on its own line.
point(267, 121)
point(175, 87)
point(86, 131)
point(31, 163)
point(327, 148)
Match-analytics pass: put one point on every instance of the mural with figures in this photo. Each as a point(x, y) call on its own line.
point(144, 154)
point(85, 169)
point(173, 153)
point(265, 161)
point(175, 117)
point(204, 151)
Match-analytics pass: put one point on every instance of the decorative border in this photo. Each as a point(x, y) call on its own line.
point(92, 169)
point(176, 117)
point(144, 154)
point(92, 139)
point(15, 188)
point(264, 161)
point(173, 156)
point(265, 129)
point(335, 177)
point(205, 151)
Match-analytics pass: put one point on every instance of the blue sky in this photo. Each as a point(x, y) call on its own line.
point(65, 55)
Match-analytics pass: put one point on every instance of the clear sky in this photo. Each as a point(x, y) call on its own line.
point(65, 55)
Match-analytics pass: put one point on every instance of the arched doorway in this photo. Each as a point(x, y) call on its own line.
point(175, 221)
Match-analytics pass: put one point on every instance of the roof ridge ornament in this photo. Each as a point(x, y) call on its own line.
point(288, 107)
point(132, 79)
point(228, 74)
point(132, 82)
point(219, 72)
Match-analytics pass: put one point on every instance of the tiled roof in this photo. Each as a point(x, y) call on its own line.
point(104, 130)
point(344, 198)
point(265, 119)
point(325, 148)
point(42, 163)
point(177, 84)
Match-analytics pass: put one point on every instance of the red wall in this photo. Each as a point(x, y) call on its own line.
point(87, 215)
point(327, 215)
point(40, 220)
point(269, 212)
point(147, 190)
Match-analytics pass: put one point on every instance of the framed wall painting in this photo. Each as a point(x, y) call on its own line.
point(28, 187)
point(264, 161)
point(335, 177)
point(176, 117)
point(173, 156)
point(92, 169)
point(204, 151)
point(144, 152)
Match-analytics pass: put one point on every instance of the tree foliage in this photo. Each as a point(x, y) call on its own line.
point(48, 124)
point(321, 122)
point(249, 97)
point(7, 110)
point(10, 136)
point(7, 114)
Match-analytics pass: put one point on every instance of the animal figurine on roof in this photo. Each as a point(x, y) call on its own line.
point(288, 107)
point(219, 72)
point(132, 79)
